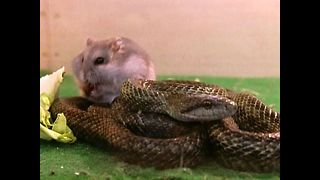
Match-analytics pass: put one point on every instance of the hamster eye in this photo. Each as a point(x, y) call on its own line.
point(82, 60)
point(99, 60)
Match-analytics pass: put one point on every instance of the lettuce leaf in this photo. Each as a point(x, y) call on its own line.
point(59, 131)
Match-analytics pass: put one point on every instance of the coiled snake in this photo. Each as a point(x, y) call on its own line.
point(169, 124)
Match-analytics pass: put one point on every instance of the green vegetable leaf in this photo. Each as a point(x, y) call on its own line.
point(59, 131)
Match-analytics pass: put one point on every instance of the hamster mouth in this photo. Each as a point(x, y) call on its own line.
point(88, 88)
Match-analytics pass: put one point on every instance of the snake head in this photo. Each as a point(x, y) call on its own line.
point(200, 107)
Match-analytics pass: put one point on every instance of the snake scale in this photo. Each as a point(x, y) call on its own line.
point(168, 124)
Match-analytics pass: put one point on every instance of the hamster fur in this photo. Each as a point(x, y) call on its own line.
point(102, 67)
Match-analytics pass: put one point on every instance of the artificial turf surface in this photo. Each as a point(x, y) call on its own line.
point(85, 161)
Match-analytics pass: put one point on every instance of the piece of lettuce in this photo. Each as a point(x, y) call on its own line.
point(59, 131)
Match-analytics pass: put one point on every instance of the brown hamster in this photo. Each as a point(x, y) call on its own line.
point(102, 67)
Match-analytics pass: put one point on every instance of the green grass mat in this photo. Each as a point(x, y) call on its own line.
point(85, 161)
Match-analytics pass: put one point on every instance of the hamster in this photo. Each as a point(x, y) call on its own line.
point(102, 67)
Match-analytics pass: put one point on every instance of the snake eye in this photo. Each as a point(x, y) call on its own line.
point(207, 104)
point(99, 60)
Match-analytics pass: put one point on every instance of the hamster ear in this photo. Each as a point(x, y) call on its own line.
point(117, 45)
point(89, 41)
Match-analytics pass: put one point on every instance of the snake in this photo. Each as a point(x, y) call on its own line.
point(179, 123)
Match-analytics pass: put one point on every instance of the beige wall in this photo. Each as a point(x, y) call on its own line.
point(187, 37)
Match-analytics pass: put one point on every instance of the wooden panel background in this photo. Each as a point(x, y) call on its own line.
point(239, 38)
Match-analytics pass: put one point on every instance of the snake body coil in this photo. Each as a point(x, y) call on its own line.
point(169, 124)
